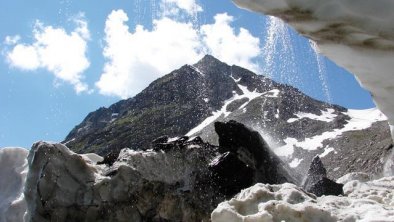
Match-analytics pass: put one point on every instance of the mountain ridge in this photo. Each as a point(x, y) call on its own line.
point(190, 99)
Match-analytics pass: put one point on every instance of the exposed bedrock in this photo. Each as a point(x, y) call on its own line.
point(316, 181)
point(358, 36)
point(180, 179)
point(252, 149)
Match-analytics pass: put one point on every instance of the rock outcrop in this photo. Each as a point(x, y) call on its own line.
point(179, 179)
point(140, 186)
point(316, 181)
point(250, 148)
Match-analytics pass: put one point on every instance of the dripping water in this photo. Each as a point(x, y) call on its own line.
point(322, 71)
point(278, 51)
point(279, 56)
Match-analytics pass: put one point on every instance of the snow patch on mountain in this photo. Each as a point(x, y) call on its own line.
point(246, 93)
point(295, 162)
point(327, 151)
point(197, 70)
point(363, 201)
point(326, 116)
point(359, 120)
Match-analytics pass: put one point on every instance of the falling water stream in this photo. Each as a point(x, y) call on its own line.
point(280, 59)
point(279, 54)
point(322, 71)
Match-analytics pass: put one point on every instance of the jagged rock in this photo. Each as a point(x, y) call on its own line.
point(326, 186)
point(316, 181)
point(231, 174)
point(165, 144)
point(142, 186)
point(315, 173)
point(183, 182)
point(249, 147)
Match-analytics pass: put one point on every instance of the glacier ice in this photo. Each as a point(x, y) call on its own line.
point(13, 170)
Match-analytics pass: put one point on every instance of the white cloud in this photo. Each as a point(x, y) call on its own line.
point(137, 58)
point(55, 50)
point(173, 7)
point(223, 42)
point(12, 40)
point(24, 57)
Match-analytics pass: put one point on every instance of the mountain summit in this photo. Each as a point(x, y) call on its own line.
point(190, 99)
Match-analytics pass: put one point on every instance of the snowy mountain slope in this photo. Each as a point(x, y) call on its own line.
point(189, 100)
point(358, 36)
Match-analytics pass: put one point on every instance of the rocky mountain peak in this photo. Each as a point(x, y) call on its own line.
point(189, 100)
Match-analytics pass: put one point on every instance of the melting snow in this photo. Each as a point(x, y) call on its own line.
point(326, 116)
point(327, 150)
point(197, 70)
point(274, 93)
point(236, 80)
point(251, 95)
point(359, 120)
point(172, 139)
point(295, 162)
point(363, 201)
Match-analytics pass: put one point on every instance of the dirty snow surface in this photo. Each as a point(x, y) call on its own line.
point(363, 201)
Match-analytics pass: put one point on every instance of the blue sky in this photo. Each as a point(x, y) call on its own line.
point(61, 60)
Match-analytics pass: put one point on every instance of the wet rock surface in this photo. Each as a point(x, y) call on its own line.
point(62, 186)
point(179, 179)
point(251, 148)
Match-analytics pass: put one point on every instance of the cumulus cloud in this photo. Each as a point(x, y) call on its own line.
point(12, 40)
point(134, 59)
point(53, 49)
point(188, 6)
point(223, 42)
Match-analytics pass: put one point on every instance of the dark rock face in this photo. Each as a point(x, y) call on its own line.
point(317, 182)
point(250, 148)
point(180, 179)
point(230, 174)
point(326, 186)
